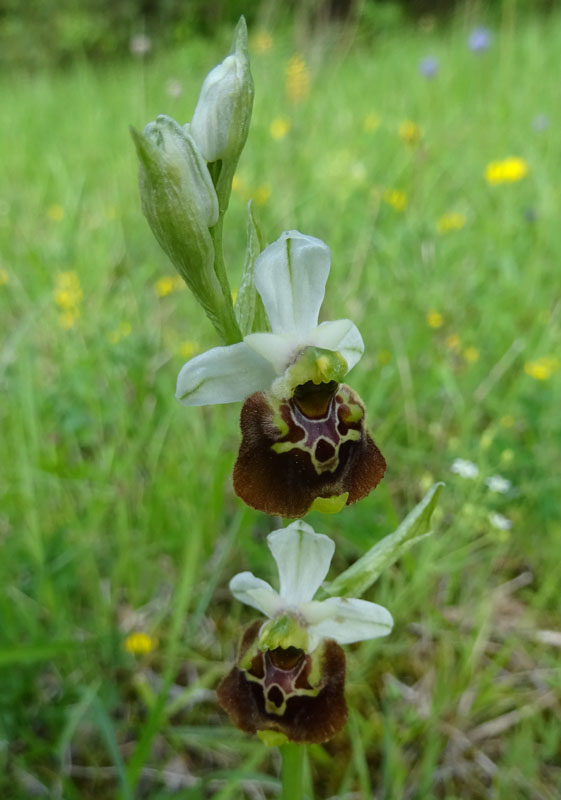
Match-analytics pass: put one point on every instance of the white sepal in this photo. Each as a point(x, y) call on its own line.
point(223, 375)
point(290, 276)
point(273, 347)
point(347, 619)
point(256, 593)
point(303, 558)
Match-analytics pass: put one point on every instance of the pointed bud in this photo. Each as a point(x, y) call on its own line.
point(221, 120)
point(180, 204)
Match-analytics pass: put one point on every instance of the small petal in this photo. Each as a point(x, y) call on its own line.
point(347, 620)
point(273, 347)
point(290, 276)
point(341, 335)
point(256, 593)
point(223, 375)
point(303, 558)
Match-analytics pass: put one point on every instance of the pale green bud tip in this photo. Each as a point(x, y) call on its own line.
point(240, 43)
point(144, 148)
point(221, 119)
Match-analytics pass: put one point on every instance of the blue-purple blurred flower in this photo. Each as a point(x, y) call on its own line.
point(540, 122)
point(479, 39)
point(429, 66)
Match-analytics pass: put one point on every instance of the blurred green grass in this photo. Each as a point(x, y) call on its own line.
point(116, 506)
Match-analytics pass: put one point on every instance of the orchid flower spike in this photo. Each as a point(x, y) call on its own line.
point(304, 435)
point(290, 672)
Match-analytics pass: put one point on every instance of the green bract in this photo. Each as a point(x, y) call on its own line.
point(364, 572)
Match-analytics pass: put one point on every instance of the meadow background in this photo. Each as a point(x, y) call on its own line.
point(117, 514)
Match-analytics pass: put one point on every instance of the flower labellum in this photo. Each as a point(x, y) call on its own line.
point(304, 434)
point(289, 675)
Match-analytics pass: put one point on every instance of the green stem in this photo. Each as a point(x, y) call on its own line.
point(292, 774)
point(230, 329)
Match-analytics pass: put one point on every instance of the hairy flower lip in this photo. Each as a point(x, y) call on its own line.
point(287, 459)
point(306, 715)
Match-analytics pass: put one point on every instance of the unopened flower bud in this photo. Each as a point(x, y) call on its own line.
point(221, 119)
point(180, 204)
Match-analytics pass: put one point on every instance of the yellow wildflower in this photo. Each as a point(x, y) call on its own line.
point(240, 187)
point(508, 170)
point(507, 456)
point(426, 481)
point(188, 349)
point(262, 194)
point(4, 277)
point(55, 212)
point(471, 354)
point(384, 357)
point(120, 332)
point(68, 292)
point(297, 79)
point(454, 342)
point(165, 285)
point(139, 643)
point(435, 319)
point(410, 132)
point(67, 319)
point(396, 198)
point(371, 122)
point(262, 42)
point(542, 368)
point(453, 221)
point(279, 128)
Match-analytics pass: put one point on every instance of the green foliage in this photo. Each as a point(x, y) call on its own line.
point(39, 33)
point(116, 507)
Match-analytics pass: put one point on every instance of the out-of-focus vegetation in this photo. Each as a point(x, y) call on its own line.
point(39, 33)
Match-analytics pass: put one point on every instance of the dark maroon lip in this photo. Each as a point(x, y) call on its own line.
point(274, 691)
point(314, 444)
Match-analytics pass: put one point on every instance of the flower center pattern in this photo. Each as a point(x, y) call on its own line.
point(318, 420)
point(312, 444)
point(286, 689)
point(283, 673)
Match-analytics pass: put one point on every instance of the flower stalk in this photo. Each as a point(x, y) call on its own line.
point(292, 773)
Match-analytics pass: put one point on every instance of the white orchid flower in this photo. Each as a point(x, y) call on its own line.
point(289, 675)
point(303, 558)
point(305, 439)
point(290, 276)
